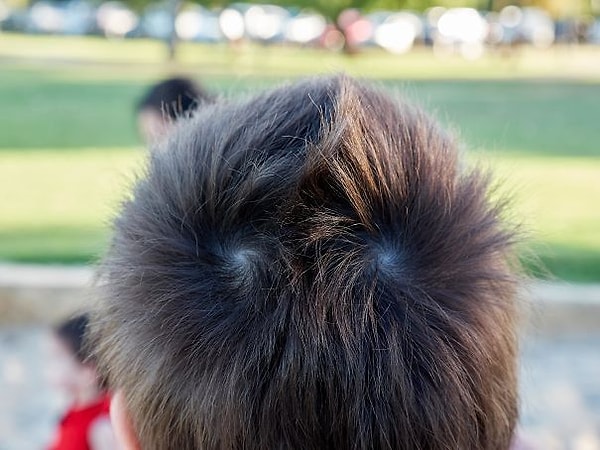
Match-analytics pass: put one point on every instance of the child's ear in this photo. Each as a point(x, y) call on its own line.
point(122, 424)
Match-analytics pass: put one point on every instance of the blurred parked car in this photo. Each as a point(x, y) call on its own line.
point(5, 11)
point(196, 23)
point(593, 33)
point(70, 17)
point(526, 26)
point(457, 30)
point(231, 23)
point(397, 32)
point(116, 19)
point(356, 29)
point(156, 22)
point(15, 21)
point(266, 23)
point(463, 30)
point(305, 28)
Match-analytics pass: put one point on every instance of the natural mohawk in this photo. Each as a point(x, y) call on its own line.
point(312, 268)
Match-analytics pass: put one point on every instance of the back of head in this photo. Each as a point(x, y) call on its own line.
point(312, 268)
point(174, 97)
point(73, 332)
point(165, 103)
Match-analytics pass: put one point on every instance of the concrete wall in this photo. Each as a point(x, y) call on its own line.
point(47, 294)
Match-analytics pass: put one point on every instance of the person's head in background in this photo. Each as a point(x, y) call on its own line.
point(166, 102)
point(85, 424)
point(311, 268)
point(73, 368)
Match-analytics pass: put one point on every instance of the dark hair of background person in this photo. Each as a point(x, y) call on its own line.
point(174, 97)
point(73, 332)
point(312, 268)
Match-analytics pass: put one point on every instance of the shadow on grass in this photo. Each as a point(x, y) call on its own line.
point(560, 262)
point(54, 245)
point(530, 117)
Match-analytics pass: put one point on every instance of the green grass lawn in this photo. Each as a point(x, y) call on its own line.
point(68, 147)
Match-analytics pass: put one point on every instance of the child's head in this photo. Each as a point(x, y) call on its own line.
point(312, 268)
point(73, 369)
point(165, 102)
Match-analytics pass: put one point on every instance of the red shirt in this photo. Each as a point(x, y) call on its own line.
point(74, 428)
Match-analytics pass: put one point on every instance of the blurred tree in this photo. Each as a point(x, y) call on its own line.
point(556, 8)
point(174, 7)
point(137, 5)
point(17, 4)
point(562, 8)
point(331, 9)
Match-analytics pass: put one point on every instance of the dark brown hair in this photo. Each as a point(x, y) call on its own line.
point(174, 97)
point(73, 333)
point(309, 269)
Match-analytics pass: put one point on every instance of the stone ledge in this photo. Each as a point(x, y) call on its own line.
point(42, 294)
point(31, 294)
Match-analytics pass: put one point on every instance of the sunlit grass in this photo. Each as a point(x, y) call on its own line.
point(69, 147)
point(57, 204)
point(555, 200)
point(58, 187)
point(140, 57)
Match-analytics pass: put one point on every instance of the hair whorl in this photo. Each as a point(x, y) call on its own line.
point(312, 269)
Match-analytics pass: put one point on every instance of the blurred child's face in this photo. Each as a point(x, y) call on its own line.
point(65, 372)
point(152, 125)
